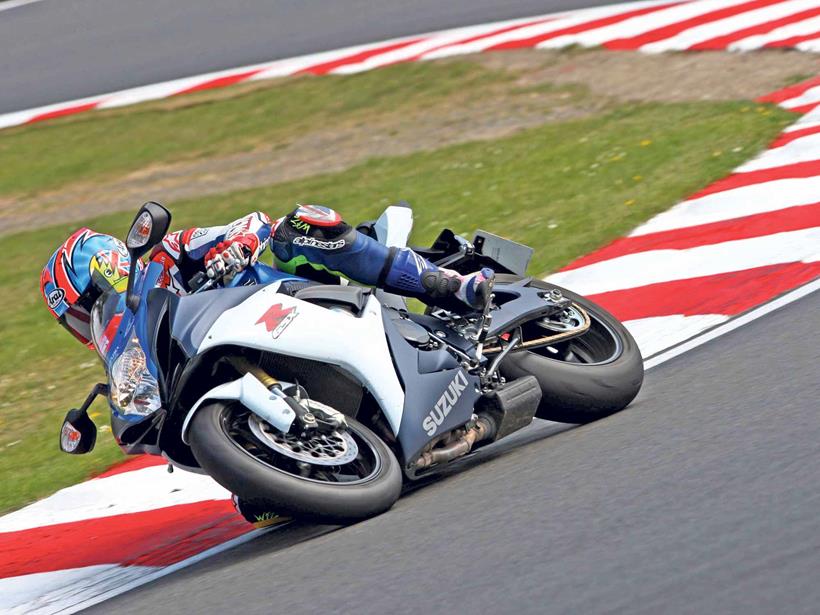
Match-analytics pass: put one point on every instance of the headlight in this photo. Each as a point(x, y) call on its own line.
point(132, 387)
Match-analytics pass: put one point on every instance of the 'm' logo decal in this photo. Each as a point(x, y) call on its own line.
point(277, 319)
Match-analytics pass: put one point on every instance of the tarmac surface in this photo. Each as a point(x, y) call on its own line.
point(58, 50)
point(701, 497)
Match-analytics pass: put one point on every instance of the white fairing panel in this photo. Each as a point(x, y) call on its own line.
point(254, 396)
point(278, 323)
point(394, 225)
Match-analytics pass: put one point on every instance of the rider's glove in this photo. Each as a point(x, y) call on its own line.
point(225, 258)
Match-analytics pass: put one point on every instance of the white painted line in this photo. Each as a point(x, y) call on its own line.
point(733, 324)
point(657, 333)
point(164, 572)
point(13, 4)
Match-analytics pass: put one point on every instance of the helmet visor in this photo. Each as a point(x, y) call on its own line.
point(77, 321)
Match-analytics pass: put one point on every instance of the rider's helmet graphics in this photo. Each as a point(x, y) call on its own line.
point(87, 265)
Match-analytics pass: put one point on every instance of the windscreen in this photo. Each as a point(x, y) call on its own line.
point(105, 320)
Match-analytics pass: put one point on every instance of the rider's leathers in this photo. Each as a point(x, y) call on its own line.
point(312, 241)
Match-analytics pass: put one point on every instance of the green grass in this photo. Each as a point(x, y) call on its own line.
point(564, 188)
point(106, 143)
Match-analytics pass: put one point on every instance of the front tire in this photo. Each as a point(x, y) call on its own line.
point(585, 378)
point(242, 463)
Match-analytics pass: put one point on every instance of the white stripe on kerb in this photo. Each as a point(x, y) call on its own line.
point(45, 593)
point(812, 46)
point(735, 323)
point(799, 28)
point(810, 96)
point(722, 27)
point(572, 19)
point(804, 149)
point(636, 26)
point(735, 203)
point(448, 37)
point(659, 332)
point(130, 492)
point(655, 266)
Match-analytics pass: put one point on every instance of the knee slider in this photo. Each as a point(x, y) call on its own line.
point(439, 285)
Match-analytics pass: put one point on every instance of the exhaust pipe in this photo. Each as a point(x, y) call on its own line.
point(483, 429)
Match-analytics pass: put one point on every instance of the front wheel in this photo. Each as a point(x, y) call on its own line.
point(587, 377)
point(345, 475)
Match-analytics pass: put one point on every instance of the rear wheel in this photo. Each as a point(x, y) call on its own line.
point(587, 377)
point(344, 475)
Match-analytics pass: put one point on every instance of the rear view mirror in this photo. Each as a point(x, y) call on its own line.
point(148, 228)
point(78, 434)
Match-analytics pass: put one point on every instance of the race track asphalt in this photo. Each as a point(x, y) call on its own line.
point(702, 497)
point(59, 50)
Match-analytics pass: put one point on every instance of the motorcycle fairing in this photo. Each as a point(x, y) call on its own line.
point(192, 316)
point(133, 324)
point(254, 396)
point(428, 393)
point(517, 303)
point(277, 323)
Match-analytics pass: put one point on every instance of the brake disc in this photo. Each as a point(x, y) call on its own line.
point(323, 449)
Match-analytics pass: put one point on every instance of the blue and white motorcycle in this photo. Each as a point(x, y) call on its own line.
point(320, 400)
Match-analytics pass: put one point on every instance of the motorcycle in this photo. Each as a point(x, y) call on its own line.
point(321, 400)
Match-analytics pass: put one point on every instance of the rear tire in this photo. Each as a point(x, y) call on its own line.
point(232, 463)
point(589, 377)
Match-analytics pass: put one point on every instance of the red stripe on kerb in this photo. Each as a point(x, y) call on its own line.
point(61, 112)
point(793, 135)
point(804, 108)
point(793, 40)
point(584, 27)
point(220, 82)
point(133, 463)
point(151, 538)
point(726, 293)
point(798, 170)
point(478, 37)
point(671, 30)
point(326, 67)
point(721, 42)
point(793, 91)
point(759, 225)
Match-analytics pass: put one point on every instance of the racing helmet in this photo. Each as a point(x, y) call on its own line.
point(87, 265)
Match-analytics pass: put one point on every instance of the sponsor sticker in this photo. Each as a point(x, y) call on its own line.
point(445, 403)
point(277, 318)
point(171, 241)
point(55, 297)
point(312, 242)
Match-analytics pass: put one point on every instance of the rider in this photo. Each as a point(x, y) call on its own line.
point(312, 241)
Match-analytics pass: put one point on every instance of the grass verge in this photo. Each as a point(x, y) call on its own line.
point(92, 147)
point(564, 188)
